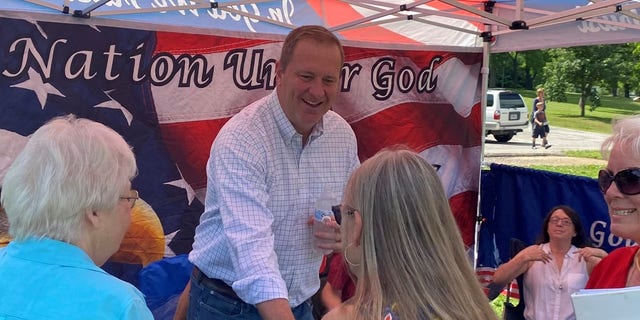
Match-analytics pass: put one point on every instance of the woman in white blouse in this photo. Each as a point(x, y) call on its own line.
point(554, 268)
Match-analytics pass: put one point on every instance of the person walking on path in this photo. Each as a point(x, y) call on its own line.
point(540, 127)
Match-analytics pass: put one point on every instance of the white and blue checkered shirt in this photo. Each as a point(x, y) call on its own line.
point(261, 188)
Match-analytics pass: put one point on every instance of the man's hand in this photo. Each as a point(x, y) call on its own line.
point(328, 240)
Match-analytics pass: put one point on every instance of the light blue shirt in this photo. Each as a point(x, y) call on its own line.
point(261, 188)
point(48, 279)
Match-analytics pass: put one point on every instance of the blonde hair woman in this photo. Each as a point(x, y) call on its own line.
point(402, 243)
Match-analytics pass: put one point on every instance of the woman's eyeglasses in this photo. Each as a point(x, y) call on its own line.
point(337, 212)
point(132, 199)
point(627, 181)
point(562, 221)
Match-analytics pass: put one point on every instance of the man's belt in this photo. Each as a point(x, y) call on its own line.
point(215, 284)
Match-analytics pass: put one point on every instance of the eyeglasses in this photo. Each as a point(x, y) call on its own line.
point(131, 199)
point(337, 212)
point(627, 181)
point(563, 221)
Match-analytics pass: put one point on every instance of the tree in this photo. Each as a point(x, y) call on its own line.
point(517, 69)
point(534, 61)
point(618, 68)
point(634, 81)
point(580, 67)
point(556, 83)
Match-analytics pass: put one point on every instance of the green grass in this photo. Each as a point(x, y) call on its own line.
point(567, 114)
point(589, 154)
point(590, 171)
point(497, 304)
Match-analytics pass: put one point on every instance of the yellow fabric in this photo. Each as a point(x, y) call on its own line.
point(4, 240)
point(144, 241)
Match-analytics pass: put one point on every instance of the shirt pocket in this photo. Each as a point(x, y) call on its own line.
point(576, 281)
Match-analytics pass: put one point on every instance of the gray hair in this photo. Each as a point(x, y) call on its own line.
point(69, 166)
point(626, 131)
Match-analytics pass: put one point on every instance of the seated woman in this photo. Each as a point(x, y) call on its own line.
point(68, 200)
point(403, 245)
point(554, 268)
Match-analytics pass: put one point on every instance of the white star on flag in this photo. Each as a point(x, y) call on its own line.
point(41, 89)
point(113, 104)
point(184, 185)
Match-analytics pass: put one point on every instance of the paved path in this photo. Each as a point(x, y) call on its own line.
point(561, 139)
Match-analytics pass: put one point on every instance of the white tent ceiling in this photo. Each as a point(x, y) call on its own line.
point(513, 25)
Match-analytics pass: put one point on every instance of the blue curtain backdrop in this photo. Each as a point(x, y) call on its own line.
point(515, 200)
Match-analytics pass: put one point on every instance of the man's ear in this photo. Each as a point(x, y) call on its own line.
point(278, 71)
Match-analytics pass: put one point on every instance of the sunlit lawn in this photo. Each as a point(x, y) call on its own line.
point(590, 171)
point(567, 114)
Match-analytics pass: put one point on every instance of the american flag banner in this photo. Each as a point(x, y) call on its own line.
point(168, 94)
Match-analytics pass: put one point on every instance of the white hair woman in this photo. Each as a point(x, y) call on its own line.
point(68, 200)
point(620, 184)
point(402, 243)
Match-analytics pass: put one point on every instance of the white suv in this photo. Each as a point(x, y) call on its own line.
point(506, 114)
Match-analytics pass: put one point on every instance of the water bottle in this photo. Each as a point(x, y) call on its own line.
point(322, 217)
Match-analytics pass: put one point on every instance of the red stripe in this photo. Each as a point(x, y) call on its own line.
point(178, 43)
point(340, 13)
point(419, 126)
point(464, 205)
point(188, 144)
point(515, 291)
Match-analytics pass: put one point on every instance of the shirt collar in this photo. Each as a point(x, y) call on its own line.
point(286, 129)
point(50, 251)
point(547, 249)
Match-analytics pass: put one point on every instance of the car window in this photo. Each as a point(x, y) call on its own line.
point(489, 100)
point(511, 100)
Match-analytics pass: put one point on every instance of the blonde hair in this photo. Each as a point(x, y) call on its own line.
point(413, 256)
point(626, 131)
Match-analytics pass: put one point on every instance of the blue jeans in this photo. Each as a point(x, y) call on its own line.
point(207, 304)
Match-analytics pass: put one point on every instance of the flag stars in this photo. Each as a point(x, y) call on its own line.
point(35, 23)
point(113, 104)
point(181, 183)
point(41, 89)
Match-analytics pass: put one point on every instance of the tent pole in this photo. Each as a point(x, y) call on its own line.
point(484, 74)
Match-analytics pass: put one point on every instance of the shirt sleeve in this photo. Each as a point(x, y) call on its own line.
point(239, 171)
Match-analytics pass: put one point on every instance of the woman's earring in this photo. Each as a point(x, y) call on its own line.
point(346, 258)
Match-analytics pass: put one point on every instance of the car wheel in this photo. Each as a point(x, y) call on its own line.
point(503, 137)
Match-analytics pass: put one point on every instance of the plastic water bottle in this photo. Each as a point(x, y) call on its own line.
point(322, 217)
